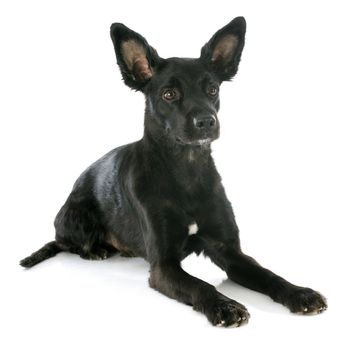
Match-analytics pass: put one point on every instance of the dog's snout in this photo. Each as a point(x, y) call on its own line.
point(204, 122)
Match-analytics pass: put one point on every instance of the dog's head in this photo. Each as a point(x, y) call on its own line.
point(182, 94)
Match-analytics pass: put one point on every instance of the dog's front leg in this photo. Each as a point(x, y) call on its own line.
point(165, 238)
point(244, 270)
point(220, 237)
point(170, 279)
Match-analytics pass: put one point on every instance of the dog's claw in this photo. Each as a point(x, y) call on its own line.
point(322, 308)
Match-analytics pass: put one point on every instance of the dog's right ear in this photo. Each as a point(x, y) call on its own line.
point(136, 59)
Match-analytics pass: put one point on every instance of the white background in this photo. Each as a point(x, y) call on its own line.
point(283, 155)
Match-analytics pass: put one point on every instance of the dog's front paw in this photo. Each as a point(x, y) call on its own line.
point(225, 312)
point(306, 301)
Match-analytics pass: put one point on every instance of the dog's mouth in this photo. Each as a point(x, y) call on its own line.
point(201, 142)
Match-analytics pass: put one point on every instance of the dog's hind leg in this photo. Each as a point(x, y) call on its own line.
point(79, 229)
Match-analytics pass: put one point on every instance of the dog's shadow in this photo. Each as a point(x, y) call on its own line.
point(248, 298)
point(119, 268)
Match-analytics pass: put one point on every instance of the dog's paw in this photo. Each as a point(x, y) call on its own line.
point(225, 312)
point(305, 301)
point(96, 254)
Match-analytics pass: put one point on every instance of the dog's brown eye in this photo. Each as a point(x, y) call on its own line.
point(213, 91)
point(169, 94)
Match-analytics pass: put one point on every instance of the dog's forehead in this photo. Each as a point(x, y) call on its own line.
point(188, 69)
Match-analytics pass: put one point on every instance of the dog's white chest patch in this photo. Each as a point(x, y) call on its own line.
point(192, 229)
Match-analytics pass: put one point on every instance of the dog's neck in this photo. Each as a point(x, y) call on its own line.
point(171, 151)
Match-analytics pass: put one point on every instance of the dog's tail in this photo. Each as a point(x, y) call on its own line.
point(47, 251)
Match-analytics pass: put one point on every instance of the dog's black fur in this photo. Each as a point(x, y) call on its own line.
point(140, 199)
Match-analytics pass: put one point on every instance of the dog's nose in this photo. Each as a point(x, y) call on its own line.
point(204, 122)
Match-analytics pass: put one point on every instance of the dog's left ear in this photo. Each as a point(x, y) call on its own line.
point(135, 57)
point(223, 51)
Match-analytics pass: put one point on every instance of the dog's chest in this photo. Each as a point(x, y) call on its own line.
point(192, 228)
point(193, 242)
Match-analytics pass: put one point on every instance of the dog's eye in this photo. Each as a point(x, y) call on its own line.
point(169, 94)
point(213, 91)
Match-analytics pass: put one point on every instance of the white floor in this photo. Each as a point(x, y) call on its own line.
point(70, 303)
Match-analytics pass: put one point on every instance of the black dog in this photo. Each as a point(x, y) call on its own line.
point(161, 198)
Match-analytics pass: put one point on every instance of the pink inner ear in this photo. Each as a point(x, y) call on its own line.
point(225, 48)
point(135, 58)
point(141, 69)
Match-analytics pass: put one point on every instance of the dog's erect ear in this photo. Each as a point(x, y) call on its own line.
point(136, 59)
point(223, 51)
